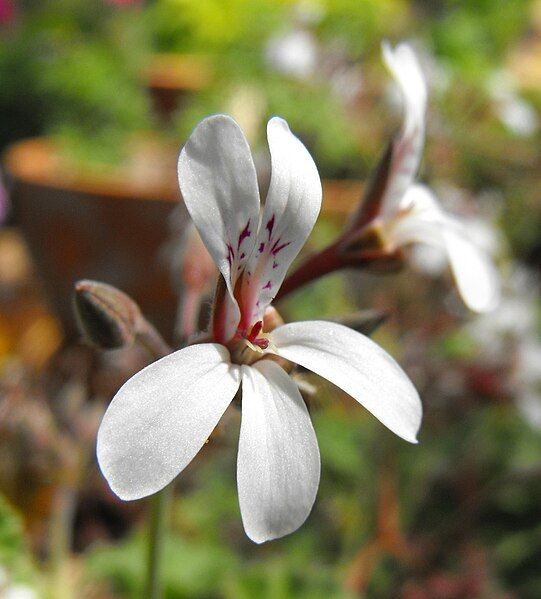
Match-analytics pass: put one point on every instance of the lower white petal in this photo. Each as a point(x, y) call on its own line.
point(357, 365)
point(162, 416)
point(475, 275)
point(278, 461)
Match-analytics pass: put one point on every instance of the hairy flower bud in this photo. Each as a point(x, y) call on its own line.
point(197, 273)
point(106, 316)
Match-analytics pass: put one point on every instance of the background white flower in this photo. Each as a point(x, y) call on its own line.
point(410, 213)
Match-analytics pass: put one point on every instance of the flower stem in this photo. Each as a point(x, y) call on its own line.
point(159, 510)
point(60, 539)
point(149, 338)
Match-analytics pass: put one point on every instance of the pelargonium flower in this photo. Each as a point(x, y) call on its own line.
point(409, 213)
point(163, 415)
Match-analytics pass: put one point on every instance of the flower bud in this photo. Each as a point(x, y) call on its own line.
point(106, 316)
point(197, 274)
point(367, 239)
point(371, 202)
point(272, 319)
point(198, 270)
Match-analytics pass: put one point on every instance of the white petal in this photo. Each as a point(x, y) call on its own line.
point(291, 209)
point(278, 461)
point(218, 182)
point(408, 147)
point(421, 201)
point(421, 219)
point(161, 417)
point(358, 366)
point(424, 222)
point(476, 277)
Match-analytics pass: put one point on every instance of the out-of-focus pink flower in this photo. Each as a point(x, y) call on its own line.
point(7, 11)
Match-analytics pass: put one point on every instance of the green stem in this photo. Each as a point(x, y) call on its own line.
point(60, 538)
point(159, 512)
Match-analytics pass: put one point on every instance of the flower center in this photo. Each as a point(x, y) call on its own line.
point(262, 342)
point(248, 347)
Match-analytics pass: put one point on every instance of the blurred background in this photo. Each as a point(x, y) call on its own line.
point(96, 99)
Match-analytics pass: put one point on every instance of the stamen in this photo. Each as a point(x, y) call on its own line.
point(254, 340)
point(262, 343)
point(256, 329)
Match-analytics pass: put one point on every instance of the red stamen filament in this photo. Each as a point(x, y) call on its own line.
point(252, 337)
point(256, 329)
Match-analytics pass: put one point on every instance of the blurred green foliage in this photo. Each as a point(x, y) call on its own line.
point(474, 36)
point(74, 69)
point(77, 69)
point(214, 26)
point(15, 556)
point(497, 459)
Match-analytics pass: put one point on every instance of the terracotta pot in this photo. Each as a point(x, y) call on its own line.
point(173, 77)
point(341, 197)
point(108, 225)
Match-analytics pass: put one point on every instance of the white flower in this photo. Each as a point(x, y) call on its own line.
point(163, 415)
point(513, 111)
point(20, 591)
point(410, 213)
point(295, 53)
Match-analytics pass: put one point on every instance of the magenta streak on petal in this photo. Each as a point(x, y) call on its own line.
point(270, 226)
point(275, 265)
point(244, 234)
point(230, 254)
point(276, 248)
point(268, 285)
point(261, 248)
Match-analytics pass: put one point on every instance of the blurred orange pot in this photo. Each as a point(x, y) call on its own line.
point(341, 197)
point(173, 77)
point(107, 225)
point(111, 225)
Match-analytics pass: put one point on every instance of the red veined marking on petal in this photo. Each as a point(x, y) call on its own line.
point(270, 226)
point(230, 254)
point(277, 248)
point(261, 248)
point(244, 234)
point(268, 285)
point(275, 265)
